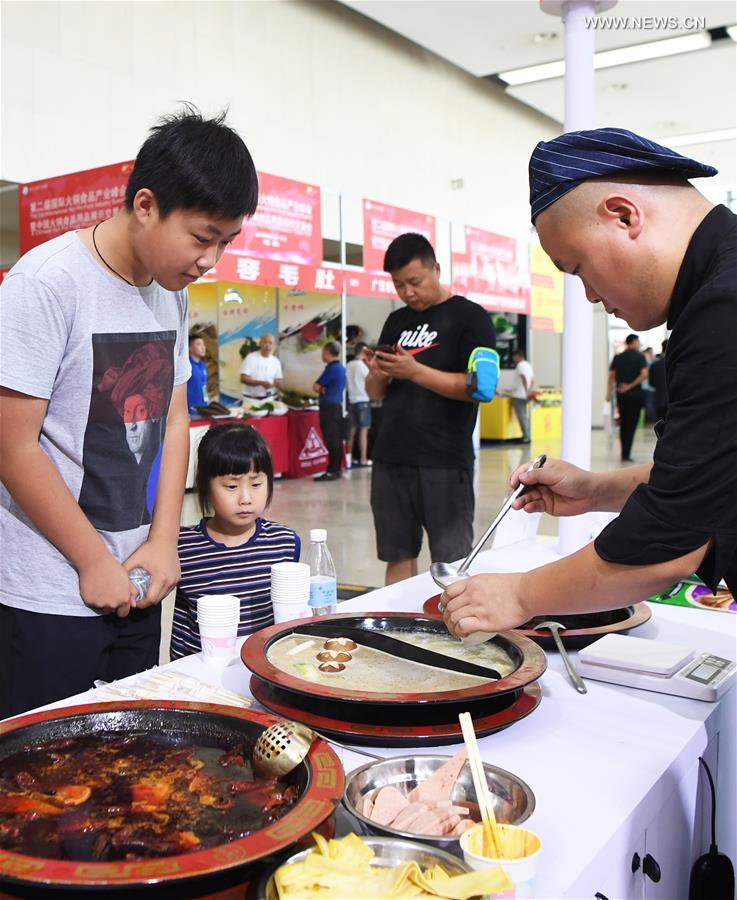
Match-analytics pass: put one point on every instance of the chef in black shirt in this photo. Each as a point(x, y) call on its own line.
point(422, 474)
point(618, 211)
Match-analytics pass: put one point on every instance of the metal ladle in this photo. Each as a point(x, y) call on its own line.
point(554, 628)
point(281, 747)
point(445, 574)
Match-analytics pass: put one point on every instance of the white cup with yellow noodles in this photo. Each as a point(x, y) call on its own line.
point(521, 850)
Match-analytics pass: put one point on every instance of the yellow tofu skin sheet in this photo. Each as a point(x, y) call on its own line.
point(342, 868)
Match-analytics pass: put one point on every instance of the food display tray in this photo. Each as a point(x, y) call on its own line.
point(389, 733)
point(529, 660)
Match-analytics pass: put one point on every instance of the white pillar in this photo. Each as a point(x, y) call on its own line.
point(577, 311)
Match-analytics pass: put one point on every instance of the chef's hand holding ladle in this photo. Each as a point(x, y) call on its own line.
point(445, 574)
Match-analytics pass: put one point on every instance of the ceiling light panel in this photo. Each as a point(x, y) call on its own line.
point(686, 43)
point(694, 93)
point(701, 137)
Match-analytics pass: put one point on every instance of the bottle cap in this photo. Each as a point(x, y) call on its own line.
point(318, 534)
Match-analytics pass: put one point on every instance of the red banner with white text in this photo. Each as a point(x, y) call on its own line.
point(272, 273)
point(52, 206)
point(489, 273)
point(360, 283)
point(382, 223)
point(286, 225)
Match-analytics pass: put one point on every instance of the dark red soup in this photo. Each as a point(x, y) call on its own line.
point(110, 797)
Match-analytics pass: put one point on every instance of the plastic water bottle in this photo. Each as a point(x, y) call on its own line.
point(142, 579)
point(323, 583)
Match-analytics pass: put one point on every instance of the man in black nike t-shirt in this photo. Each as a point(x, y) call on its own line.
point(423, 456)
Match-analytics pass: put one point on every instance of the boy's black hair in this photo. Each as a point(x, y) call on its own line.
point(360, 347)
point(195, 336)
point(405, 248)
point(193, 163)
point(332, 348)
point(230, 450)
point(631, 338)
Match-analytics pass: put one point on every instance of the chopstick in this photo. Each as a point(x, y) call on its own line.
point(492, 839)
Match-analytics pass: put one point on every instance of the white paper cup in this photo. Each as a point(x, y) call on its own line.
point(292, 595)
point(216, 621)
point(218, 610)
point(227, 612)
point(289, 569)
point(218, 642)
point(219, 600)
point(218, 603)
point(290, 590)
point(293, 592)
point(285, 611)
point(522, 871)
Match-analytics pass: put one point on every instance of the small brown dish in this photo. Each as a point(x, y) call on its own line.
point(334, 656)
point(331, 668)
point(346, 645)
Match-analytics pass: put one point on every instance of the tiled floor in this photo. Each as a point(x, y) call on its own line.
point(343, 506)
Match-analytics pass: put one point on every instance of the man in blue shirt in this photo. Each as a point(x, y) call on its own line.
point(329, 387)
point(197, 384)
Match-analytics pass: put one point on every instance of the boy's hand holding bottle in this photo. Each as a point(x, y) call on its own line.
point(160, 559)
point(104, 585)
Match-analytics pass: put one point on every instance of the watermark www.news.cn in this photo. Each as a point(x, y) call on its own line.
point(646, 23)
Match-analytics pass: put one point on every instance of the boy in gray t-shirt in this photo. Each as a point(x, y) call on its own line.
point(95, 437)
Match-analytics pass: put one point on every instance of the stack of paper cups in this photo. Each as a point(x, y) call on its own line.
point(217, 617)
point(290, 591)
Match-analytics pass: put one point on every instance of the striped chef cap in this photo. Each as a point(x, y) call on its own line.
point(560, 165)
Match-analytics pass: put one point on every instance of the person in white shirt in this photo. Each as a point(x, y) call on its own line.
point(523, 377)
point(261, 372)
point(359, 403)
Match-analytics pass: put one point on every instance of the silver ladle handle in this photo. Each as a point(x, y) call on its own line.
point(538, 463)
point(573, 674)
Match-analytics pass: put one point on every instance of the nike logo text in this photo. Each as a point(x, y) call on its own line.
point(420, 337)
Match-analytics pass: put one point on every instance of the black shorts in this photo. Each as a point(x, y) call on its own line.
point(406, 499)
point(44, 658)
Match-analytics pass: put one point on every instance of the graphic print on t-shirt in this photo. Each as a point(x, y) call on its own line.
point(416, 340)
point(132, 381)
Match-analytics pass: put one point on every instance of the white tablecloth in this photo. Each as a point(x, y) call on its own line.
point(599, 764)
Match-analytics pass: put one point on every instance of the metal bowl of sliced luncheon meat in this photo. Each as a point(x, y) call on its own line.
point(431, 798)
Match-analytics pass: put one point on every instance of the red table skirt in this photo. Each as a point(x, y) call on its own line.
point(274, 430)
point(308, 454)
point(295, 440)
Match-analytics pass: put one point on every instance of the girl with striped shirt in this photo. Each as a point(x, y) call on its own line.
point(232, 549)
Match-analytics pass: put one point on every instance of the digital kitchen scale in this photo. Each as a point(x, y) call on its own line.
point(656, 666)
